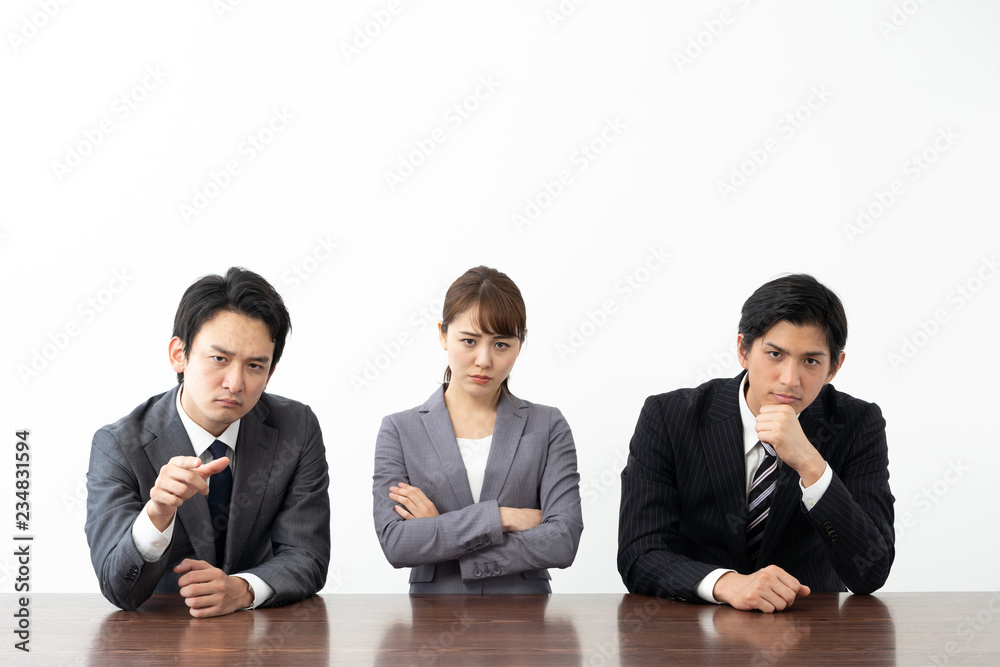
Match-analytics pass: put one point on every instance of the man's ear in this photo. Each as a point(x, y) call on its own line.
point(269, 374)
point(178, 357)
point(836, 369)
point(740, 354)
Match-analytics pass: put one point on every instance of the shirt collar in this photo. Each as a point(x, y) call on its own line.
point(746, 415)
point(201, 439)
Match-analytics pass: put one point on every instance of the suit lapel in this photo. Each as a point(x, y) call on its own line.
point(506, 436)
point(170, 440)
point(722, 440)
point(437, 422)
point(255, 451)
point(788, 496)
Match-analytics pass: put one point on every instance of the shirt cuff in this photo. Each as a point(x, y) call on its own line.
point(261, 591)
point(149, 541)
point(812, 495)
point(707, 585)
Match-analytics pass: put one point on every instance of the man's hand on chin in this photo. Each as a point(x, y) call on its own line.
point(208, 591)
point(769, 589)
point(778, 426)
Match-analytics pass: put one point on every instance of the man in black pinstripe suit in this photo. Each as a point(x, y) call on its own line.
point(695, 452)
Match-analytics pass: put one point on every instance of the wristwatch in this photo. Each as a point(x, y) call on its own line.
point(253, 596)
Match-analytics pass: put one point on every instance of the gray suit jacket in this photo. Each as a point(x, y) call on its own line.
point(279, 523)
point(532, 464)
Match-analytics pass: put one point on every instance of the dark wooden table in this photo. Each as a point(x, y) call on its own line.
point(398, 630)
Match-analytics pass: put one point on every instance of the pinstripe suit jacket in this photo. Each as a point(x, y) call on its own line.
point(531, 464)
point(683, 506)
point(279, 521)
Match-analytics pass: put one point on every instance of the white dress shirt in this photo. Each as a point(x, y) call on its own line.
point(151, 543)
point(753, 455)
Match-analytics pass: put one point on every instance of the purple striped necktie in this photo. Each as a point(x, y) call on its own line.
point(759, 500)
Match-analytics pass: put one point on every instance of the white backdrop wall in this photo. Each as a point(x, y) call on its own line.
point(638, 168)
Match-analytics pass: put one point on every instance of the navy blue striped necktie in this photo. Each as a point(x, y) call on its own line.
point(759, 500)
point(220, 489)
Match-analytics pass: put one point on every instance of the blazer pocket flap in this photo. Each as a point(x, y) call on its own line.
point(422, 574)
point(536, 574)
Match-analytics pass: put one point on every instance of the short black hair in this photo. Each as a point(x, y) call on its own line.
point(798, 299)
point(241, 291)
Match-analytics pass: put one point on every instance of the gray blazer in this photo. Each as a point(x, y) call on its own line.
point(532, 464)
point(279, 527)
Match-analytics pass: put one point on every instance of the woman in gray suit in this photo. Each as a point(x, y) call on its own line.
point(477, 490)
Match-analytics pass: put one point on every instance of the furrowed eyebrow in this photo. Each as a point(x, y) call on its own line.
point(228, 353)
point(469, 334)
point(786, 352)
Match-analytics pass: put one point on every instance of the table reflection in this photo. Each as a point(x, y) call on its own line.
point(464, 630)
point(808, 628)
point(260, 637)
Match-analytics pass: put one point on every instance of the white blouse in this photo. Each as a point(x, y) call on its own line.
point(474, 455)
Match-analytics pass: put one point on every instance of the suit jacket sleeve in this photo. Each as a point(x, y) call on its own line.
point(300, 534)
point(114, 500)
point(413, 542)
point(855, 514)
point(649, 516)
point(554, 542)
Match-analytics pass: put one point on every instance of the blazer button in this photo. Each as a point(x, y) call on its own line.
point(487, 541)
point(477, 572)
point(497, 570)
point(827, 526)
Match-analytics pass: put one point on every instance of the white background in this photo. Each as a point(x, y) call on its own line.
point(688, 103)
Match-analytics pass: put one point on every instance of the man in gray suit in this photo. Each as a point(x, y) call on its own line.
point(214, 477)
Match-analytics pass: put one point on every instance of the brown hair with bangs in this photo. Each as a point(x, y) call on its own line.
point(495, 302)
